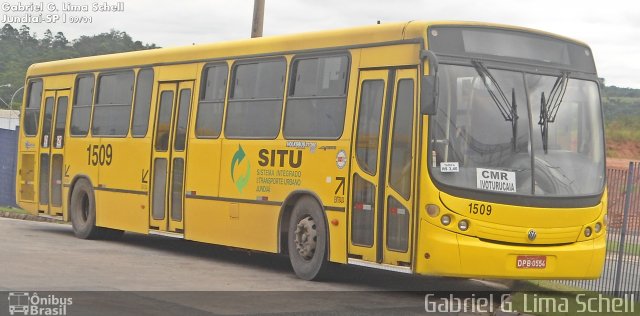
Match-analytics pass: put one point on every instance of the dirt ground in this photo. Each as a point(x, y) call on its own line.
point(620, 153)
point(619, 163)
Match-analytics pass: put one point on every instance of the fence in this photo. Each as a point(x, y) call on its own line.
point(8, 150)
point(622, 266)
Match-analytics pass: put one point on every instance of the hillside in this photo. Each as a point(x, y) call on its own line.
point(19, 48)
point(622, 122)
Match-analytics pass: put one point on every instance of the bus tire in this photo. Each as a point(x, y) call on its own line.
point(307, 239)
point(82, 209)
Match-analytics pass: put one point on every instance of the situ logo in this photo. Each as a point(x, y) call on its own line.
point(23, 303)
point(242, 181)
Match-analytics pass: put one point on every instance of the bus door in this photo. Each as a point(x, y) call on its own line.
point(51, 152)
point(169, 158)
point(382, 211)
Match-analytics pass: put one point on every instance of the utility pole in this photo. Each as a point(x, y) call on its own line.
point(258, 18)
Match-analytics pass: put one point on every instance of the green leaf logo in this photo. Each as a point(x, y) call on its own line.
point(242, 180)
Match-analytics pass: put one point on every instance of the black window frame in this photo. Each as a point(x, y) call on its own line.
point(74, 103)
point(290, 87)
point(134, 106)
point(95, 102)
point(231, 88)
point(30, 84)
point(201, 91)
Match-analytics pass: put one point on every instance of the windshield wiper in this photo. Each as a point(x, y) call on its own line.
point(508, 110)
point(549, 107)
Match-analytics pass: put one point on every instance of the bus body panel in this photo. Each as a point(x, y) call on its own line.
point(474, 257)
point(239, 192)
point(490, 247)
point(123, 183)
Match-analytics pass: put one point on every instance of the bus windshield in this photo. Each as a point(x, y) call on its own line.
point(531, 140)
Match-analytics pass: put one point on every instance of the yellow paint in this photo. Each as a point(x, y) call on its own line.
point(242, 206)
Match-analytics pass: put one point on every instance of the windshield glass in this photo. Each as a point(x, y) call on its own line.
point(487, 119)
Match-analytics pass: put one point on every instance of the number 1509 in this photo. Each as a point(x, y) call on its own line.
point(99, 155)
point(479, 208)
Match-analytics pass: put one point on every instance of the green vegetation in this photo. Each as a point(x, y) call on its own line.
point(629, 248)
point(622, 114)
point(20, 48)
point(12, 210)
point(550, 298)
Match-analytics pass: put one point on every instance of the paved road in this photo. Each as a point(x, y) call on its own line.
point(141, 274)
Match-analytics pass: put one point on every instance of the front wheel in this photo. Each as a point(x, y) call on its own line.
point(307, 239)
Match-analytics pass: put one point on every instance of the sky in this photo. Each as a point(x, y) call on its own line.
point(611, 28)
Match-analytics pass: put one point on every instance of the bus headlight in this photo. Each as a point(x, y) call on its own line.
point(432, 210)
point(445, 220)
point(597, 227)
point(587, 232)
point(463, 225)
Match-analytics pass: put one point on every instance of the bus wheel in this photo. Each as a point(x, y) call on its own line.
point(83, 211)
point(307, 240)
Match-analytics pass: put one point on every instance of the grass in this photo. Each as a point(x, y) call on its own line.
point(12, 209)
point(548, 298)
point(626, 128)
point(629, 248)
point(623, 136)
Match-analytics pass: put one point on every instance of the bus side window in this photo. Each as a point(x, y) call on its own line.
point(142, 104)
point(82, 103)
point(112, 110)
point(255, 102)
point(211, 105)
point(317, 98)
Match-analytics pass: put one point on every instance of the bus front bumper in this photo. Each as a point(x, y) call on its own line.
point(445, 253)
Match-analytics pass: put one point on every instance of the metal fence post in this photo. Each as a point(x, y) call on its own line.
point(623, 231)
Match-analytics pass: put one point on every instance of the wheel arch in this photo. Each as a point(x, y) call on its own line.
point(285, 216)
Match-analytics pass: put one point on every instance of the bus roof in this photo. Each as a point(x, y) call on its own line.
point(349, 37)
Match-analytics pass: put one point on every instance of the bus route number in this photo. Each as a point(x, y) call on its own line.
point(479, 208)
point(99, 155)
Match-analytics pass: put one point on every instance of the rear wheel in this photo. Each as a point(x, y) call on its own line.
point(82, 209)
point(307, 240)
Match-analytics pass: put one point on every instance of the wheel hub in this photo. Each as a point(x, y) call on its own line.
point(306, 237)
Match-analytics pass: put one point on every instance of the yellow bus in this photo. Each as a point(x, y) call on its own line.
point(434, 148)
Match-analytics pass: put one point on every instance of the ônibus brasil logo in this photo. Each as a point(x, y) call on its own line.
point(33, 304)
point(242, 180)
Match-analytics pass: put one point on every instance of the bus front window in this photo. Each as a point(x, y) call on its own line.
point(481, 136)
point(573, 162)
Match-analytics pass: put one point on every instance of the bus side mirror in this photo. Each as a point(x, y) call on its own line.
point(429, 84)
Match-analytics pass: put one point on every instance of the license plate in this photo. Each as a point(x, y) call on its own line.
point(531, 262)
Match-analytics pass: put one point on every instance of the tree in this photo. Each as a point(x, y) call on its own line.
point(59, 41)
point(47, 39)
point(19, 49)
point(8, 33)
